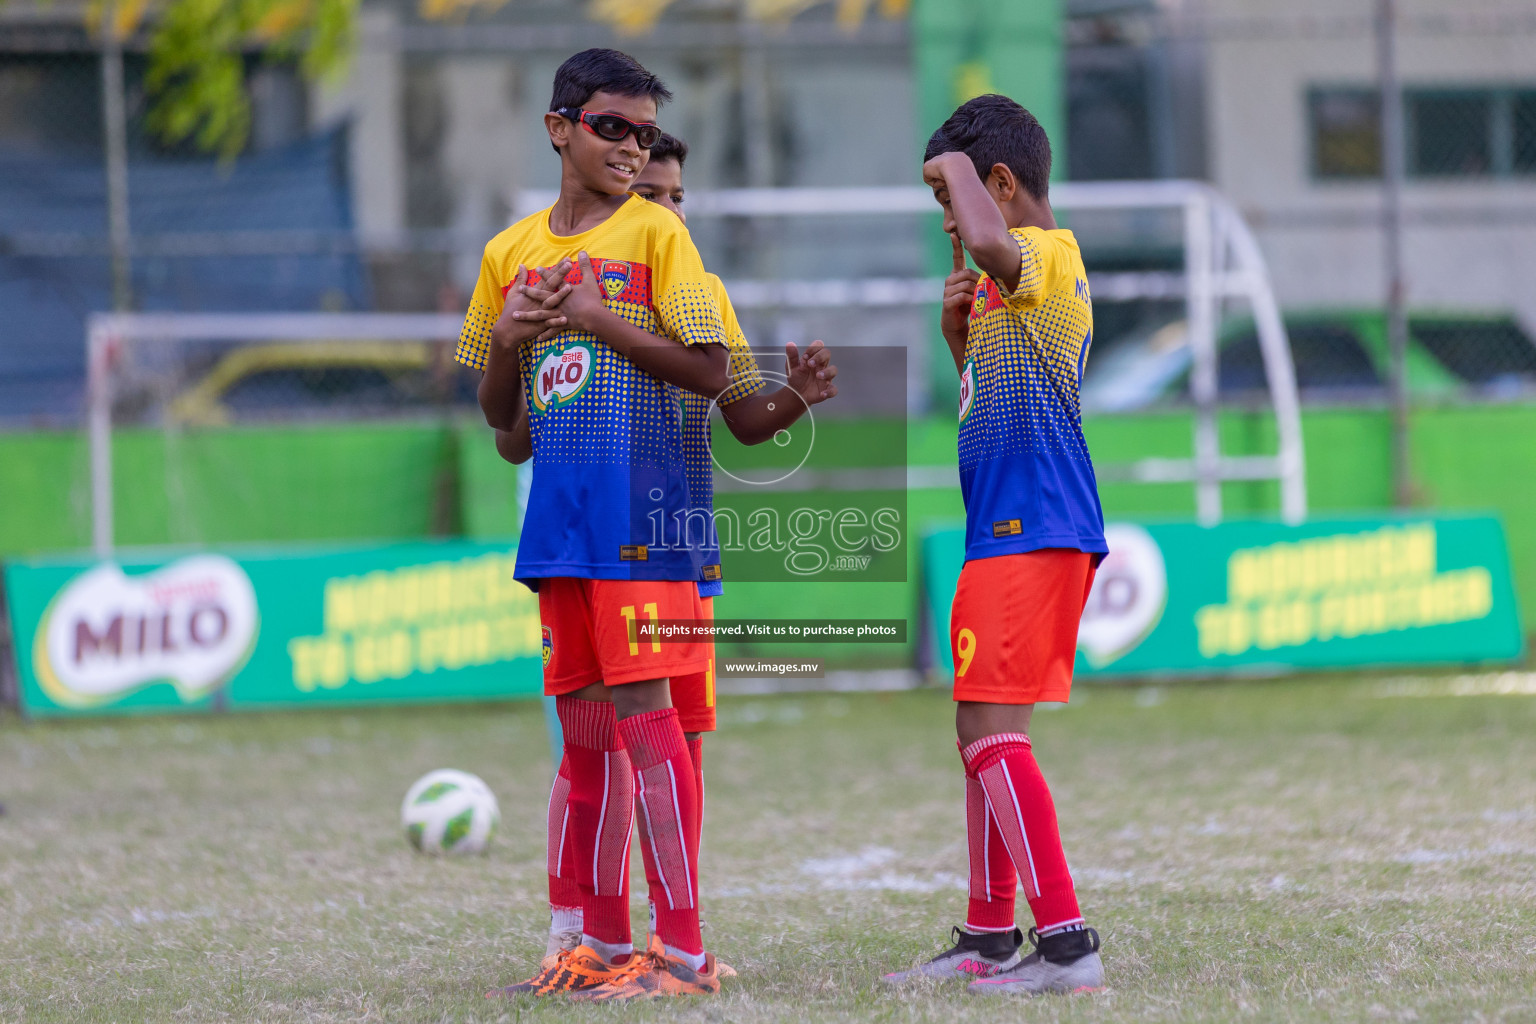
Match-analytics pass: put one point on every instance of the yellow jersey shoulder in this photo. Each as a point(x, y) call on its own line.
point(1056, 249)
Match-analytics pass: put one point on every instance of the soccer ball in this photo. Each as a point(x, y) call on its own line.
point(449, 811)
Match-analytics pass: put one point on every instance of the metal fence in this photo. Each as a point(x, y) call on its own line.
point(378, 196)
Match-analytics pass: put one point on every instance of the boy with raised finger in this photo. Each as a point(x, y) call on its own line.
point(1019, 332)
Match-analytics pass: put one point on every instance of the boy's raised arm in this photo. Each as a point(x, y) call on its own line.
point(757, 417)
point(978, 221)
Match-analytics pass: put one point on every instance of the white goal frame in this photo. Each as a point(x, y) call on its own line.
point(1222, 261)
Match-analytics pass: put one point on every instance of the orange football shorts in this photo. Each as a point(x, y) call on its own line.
point(1013, 625)
point(694, 694)
point(586, 628)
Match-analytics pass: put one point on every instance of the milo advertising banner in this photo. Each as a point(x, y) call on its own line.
point(203, 632)
point(1177, 597)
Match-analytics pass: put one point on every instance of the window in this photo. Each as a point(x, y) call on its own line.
point(1346, 133)
point(1448, 133)
point(1486, 352)
point(1328, 357)
point(1524, 142)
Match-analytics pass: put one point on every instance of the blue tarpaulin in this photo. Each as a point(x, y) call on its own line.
point(57, 205)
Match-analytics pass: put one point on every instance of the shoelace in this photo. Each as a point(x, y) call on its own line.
point(636, 965)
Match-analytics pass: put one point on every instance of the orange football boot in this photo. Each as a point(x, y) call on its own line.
point(571, 971)
point(660, 976)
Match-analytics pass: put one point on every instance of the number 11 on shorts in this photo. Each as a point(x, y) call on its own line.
point(628, 611)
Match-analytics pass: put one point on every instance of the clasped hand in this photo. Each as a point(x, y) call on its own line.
point(541, 304)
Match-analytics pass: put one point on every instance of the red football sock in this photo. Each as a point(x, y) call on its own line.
point(666, 799)
point(993, 878)
point(564, 892)
point(696, 826)
point(1020, 803)
point(600, 809)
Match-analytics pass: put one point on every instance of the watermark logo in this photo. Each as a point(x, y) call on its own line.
point(192, 624)
point(823, 497)
point(562, 376)
point(1129, 594)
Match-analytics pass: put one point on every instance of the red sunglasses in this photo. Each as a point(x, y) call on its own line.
point(613, 127)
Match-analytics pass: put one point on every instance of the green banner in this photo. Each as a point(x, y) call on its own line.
point(423, 622)
point(1182, 598)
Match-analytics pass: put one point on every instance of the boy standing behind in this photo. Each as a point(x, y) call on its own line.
point(607, 443)
point(1019, 333)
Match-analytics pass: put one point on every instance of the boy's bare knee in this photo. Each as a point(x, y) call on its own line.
point(975, 719)
point(594, 692)
point(640, 698)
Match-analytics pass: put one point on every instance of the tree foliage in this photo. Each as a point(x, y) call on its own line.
point(200, 50)
point(198, 53)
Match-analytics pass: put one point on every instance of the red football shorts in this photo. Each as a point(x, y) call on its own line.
point(587, 631)
point(694, 694)
point(1013, 626)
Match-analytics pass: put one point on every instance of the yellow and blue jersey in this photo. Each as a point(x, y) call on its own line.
point(1025, 472)
point(745, 381)
point(610, 481)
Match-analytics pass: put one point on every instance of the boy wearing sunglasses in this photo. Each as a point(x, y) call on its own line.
point(1019, 332)
point(754, 413)
point(579, 348)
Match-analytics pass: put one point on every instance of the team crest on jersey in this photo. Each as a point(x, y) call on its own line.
point(614, 274)
point(967, 388)
point(549, 646)
point(980, 305)
point(562, 376)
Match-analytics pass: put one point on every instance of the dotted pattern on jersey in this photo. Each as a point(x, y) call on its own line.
point(631, 417)
point(1027, 349)
point(691, 314)
point(747, 381)
point(475, 336)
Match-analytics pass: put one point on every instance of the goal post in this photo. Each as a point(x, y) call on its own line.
point(112, 337)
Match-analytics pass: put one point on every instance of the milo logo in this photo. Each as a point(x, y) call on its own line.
point(967, 388)
point(562, 376)
point(192, 624)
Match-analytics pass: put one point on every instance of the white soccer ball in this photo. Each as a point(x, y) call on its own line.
point(449, 811)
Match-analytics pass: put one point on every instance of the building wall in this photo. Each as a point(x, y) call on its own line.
point(445, 138)
point(1469, 243)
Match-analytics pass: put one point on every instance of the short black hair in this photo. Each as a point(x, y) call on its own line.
point(602, 70)
point(670, 147)
point(992, 130)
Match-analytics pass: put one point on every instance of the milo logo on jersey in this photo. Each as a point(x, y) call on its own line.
point(562, 375)
point(967, 388)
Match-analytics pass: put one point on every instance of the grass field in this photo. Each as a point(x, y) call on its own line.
point(1342, 849)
